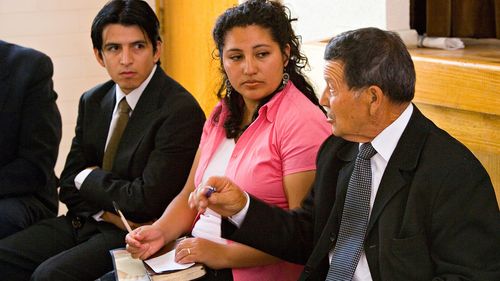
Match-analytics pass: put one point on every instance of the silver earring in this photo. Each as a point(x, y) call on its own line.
point(286, 78)
point(229, 88)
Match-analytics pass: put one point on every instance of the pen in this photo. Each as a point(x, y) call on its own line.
point(209, 191)
point(125, 222)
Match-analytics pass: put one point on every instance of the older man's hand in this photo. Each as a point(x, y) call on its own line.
point(227, 199)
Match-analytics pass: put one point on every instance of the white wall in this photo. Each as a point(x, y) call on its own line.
point(322, 19)
point(61, 29)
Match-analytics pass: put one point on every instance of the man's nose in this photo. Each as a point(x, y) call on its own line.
point(126, 56)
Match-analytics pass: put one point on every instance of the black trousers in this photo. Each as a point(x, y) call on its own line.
point(18, 213)
point(62, 248)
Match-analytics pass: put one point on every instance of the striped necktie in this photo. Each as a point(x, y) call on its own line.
point(354, 221)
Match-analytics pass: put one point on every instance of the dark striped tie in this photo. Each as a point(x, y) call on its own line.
point(354, 218)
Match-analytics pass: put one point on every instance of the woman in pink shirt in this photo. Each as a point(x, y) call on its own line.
point(264, 135)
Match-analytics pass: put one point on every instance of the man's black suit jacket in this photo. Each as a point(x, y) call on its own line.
point(154, 156)
point(30, 126)
point(435, 215)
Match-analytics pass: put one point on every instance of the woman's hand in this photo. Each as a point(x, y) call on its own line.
point(144, 241)
point(202, 251)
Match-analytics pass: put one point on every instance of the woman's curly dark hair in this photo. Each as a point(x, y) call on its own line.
point(275, 17)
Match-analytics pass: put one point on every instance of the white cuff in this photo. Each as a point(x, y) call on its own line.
point(80, 178)
point(238, 218)
point(97, 216)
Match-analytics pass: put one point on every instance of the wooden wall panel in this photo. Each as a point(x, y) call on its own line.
point(460, 91)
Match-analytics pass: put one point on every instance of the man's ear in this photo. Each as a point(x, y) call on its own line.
point(98, 57)
point(376, 97)
point(157, 55)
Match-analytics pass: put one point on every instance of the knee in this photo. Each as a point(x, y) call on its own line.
point(12, 218)
point(45, 272)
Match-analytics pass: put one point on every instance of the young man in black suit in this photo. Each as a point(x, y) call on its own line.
point(135, 139)
point(30, 132)
point(430, 211)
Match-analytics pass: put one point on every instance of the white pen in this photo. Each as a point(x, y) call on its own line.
point(125, 222)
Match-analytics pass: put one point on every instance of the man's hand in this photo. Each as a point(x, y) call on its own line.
point(227, 200)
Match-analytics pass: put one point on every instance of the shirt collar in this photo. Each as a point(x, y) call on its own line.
point(386, 141)
point(270, 109)
point(134, 95)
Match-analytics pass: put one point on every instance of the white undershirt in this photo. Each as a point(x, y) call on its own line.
point(208, 225)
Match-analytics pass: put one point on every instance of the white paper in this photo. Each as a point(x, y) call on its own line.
point(166, 262)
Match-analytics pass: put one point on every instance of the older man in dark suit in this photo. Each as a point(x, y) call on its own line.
point(30, 132)
point(395, 197)
point(135, 140)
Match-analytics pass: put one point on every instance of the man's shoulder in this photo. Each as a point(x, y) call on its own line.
point(21, 60)
point(170, 88)
point(440, 144)
point(430, 150)
point(98, 91)
point(334, 143)
point(12, 53)
point(171, 93)
point(332, 146)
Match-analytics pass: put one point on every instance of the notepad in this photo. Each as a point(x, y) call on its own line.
point(166, 262)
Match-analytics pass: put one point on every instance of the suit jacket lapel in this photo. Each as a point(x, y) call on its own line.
point(4, 83)
point(140, 119)
point(403, 160)
point(105, 112)
point(325, 243)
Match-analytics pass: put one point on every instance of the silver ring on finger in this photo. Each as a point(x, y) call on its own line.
point(189, 251)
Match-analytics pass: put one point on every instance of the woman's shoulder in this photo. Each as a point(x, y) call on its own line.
point(217, 112)
point(296, 104)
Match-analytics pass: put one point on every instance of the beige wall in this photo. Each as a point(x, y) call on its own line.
point(61, 29)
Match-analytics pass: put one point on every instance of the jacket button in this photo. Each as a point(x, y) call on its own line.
point(333, 237)
point(77, 222)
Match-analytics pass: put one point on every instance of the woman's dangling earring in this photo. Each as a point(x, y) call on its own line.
point(229, 88)
point(286, 78)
